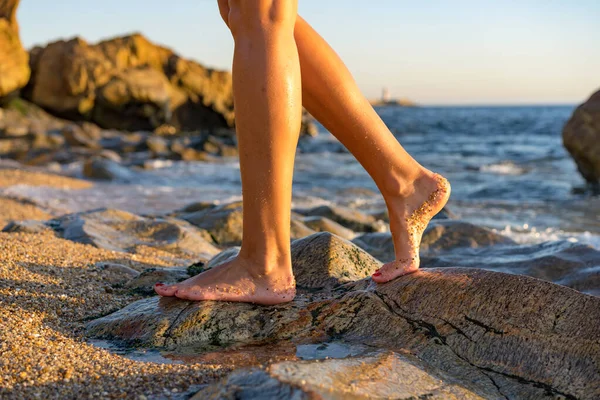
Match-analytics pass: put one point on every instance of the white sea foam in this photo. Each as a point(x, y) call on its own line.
point(504, 168)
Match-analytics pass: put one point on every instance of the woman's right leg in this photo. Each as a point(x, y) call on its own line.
point(268, 107)
point(412, 193)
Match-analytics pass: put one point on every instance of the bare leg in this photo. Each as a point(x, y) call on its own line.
point(413, 194)
point(268, 105)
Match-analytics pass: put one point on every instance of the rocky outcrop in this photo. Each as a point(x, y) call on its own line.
point(129, 83)
point(14, 60)
point(581, 138)
point(508, 335)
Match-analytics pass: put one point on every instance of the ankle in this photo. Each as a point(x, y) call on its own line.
point(402, 185)
point(265, 263)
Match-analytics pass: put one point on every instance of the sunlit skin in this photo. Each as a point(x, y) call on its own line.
point(279, 65)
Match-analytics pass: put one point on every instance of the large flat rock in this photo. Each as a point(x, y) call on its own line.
point(521, 336)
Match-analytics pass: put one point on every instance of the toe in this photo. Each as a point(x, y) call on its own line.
point(393, 270)
point(165, 290)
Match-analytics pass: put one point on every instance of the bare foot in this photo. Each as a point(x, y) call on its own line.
point(233, 281)
point(410, 214)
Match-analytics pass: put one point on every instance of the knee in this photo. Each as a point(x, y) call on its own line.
point(224, 10)
point(247, 17)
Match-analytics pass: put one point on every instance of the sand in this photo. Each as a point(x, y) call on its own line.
point(13, 210)
point(49, 288)
point(10, 177)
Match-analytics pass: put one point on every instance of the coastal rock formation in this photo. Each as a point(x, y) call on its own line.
point(581, 138)
point(14, 60)
point(129, 83)
point(513, 336)
point(125, 232)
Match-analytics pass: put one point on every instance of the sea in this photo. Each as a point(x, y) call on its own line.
point(507, 165)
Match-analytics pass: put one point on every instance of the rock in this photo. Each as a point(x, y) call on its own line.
point(14, 60)
point(253, 384)
point(308, 126)
point(379, 244)
point(117, 274)
point(508, 335)
point(77, 136)
point(144, 282)
point(324, 261)
point(352, 219)
point(385, 375)
point(134, 98)
point(125, 232)
point(158, 145)
point(565, 263)
point(225, 223)
point(581, 138)
point(299, 230)
point(440, 235)
point(222, 257)
point(27, 226)
point(104, 169)
point(448, 234)
point(338, 262)
point(129, 83)
point(322, 224)
point(198, 206)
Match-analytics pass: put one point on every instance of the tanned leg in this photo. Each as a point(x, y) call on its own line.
point(268, 106)
point(412, 193)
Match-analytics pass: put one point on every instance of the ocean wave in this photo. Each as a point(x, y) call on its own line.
point(504, 168)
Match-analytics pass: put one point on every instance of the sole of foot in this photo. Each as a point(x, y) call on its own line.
point(408, 226)
point(232, 281)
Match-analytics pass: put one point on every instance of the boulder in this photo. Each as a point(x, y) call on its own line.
point(144, 282)
point(14, 60)
point(116, 274)
point(581, 138)
point(125, 232)
point(505, 335)
point(225, 223)
point(129, 83)
point(324, 261)
point(105, 169)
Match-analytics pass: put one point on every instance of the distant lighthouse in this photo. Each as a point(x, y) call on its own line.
point(386, 97)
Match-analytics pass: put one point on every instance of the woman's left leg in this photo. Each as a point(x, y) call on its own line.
point(268, 107)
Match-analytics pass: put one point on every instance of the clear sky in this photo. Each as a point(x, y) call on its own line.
point(434, 52)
